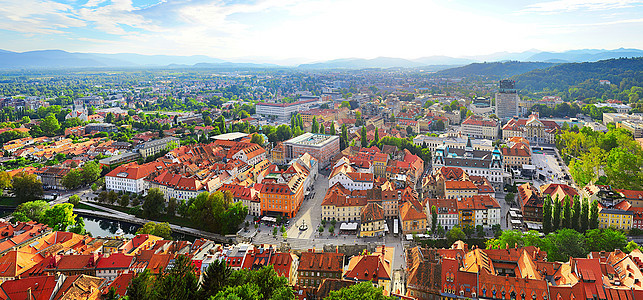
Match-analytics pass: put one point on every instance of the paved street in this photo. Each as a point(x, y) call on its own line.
point(310, 211)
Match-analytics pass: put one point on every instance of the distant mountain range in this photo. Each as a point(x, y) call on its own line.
point(495, 69)
point(63, 59)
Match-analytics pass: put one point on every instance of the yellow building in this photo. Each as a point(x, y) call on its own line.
point(459, 189)
point(380, 161)
point(615, 218)
point(413, 218)
point(373, 223)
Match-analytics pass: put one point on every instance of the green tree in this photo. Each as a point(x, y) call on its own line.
point(111, 294)
point(584, 216)
point(171, 207)
point(247, 291)
point(576, 212)
point(153, 203)
point(124, 200)
point(5, 181)
point(593, 215)
point(438, 125)
point(215, 279)
point(33, 210)
point(510, 198)
point(480, 230)
point(315, 126)
point(109, 118)
point(455, 234)
point(363, 138)
point(332, 128)
point(50, 125)
point(434, 218)
point(631, 246)
point(141, 287)
point(564, 244)
point(162, 230)
point(90, 172)
point(557, 214)
point(112, 197)
point(362, 290)
point(606, 239)
point(213, 213)
point(270, 284)
point(567, 214)
point(26, 187)
point(547, 211)
point(74, 200)
point(177, 282)
point(73, 179)
point(60, 217)
point(624, 169)
point(343, 139)
point(257, 139)
point(377, 135)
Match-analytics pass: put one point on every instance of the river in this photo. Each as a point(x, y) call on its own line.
point(109, 228)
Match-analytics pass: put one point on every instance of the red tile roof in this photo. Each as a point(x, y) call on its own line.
point(135, 171)
point(480, 121)
point(36, 288)
point(115, 261)
point(120, 284)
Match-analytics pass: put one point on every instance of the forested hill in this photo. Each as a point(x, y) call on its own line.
point(494, 69)
point(622, 72)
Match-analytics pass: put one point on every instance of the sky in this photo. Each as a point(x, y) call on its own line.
point(316, 30)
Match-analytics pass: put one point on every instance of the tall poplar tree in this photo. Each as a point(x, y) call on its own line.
point(547, 215)
point(556, 215)
point(593, 215)
point(576, 210)
point(567, 214)
point(363, 138)
point(584, 216)
point(315, 126)
point(377, 135)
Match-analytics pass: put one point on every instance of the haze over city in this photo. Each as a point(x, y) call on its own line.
point(291, 32)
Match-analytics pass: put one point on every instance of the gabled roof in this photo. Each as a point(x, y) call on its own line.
point(321, 261)
point(79, 287)
point(36, 288)
point(121, 283)
point(372, 212)
point(459, 185)
point(408, 212)
point(368, 268)
point(115, 261)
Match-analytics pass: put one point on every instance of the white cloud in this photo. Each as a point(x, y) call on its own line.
point(36, 17)
point(576, 5)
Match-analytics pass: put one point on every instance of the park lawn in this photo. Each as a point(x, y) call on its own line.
point(9, 201)
point(87, 207)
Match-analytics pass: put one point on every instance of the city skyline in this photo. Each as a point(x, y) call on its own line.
point(307, 31)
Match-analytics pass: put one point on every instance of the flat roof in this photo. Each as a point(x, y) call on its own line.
point(230, 136)
point(312, 139)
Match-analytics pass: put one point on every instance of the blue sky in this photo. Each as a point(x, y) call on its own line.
point(312, 30)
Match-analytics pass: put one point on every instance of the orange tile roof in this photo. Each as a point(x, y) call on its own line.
point(408, 212)
point(459, 185)
point(321, 261)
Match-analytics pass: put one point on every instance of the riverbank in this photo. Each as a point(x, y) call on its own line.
point(116, 215)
